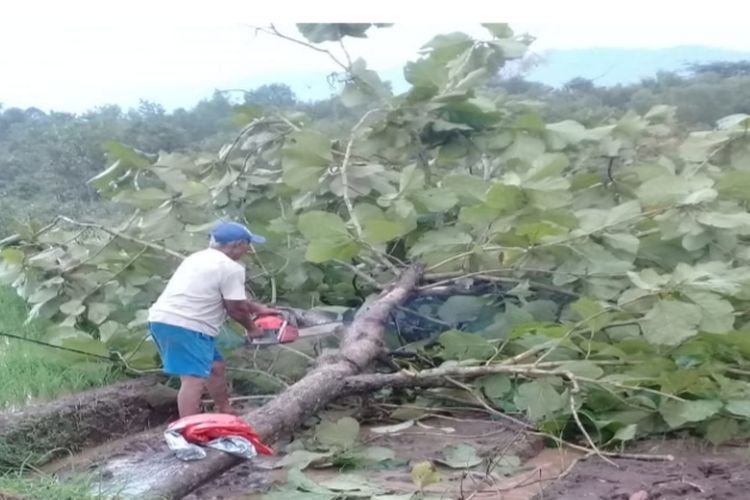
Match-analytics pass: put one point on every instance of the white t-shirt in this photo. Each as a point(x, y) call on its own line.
point(194, 296)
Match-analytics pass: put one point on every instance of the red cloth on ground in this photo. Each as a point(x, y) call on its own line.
point(205, 427)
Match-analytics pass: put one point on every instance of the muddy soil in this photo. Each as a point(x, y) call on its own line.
point(699, 472)
point(250, 480)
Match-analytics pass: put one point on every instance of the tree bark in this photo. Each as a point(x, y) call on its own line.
point(43, 431)
point(154, 472)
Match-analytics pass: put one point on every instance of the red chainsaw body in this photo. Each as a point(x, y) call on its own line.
point(278, 327)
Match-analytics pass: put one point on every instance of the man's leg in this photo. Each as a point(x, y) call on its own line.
point(217, 388)
point(189, 397)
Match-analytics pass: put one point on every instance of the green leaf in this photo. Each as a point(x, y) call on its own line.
point(144, 199)
point(717, 314)
point(319, 225)
point(564, 133)
point(670, 189)
point(333, 32)
point(525, 148)
point(302, 459)
point(670, 322)
point(582, 368)
point(382, 230)
point(495, 386)
point(459, 456)
point(460, 308)
point(445, 47)
point(72, 307)
point(626, 433)
point(427, 73)
point(98, 312)
point(297, 479)
point(304, 158)
point(353, 95)
point(478, 215)
point(446, 237)
point(738, 120)
point(539, 399)
point(342, 433)
point(593, 219)
point(411, 179)
point(369, 455)
point(125, 154)
point(623, 241)
point(12, 256)
point(460, 345)
point(504, 199)
point(679, 413)
point(721, 430)
point(587, 308)
point(498, 30)
point(468, 188)
point(324, 250)
point(436, 200)
point(739, 407)
point(173, 178)
point(529, 121)
point(102, 180)
point(243, 114)
point(351, 484)
point(735, 185)
point(506, 465)
point(424, 474)
point(196, 193)
point(725, 221)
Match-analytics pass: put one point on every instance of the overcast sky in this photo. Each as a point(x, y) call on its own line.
point(72, 63)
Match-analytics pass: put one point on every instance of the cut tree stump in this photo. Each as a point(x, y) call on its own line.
point(148, 469)
point(44, 431)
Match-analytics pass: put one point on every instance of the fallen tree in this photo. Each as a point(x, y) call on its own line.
point(156, 473)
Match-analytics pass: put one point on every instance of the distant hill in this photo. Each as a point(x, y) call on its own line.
point(606, 66)
point(610, 66)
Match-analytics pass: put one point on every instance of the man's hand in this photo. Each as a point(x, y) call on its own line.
point(261, 310)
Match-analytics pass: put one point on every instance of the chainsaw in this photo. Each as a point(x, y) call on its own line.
point(282, 328)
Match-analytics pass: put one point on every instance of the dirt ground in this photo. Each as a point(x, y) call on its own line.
point(699, 472)
point(248, 481)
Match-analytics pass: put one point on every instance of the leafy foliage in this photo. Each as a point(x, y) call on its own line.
point(618, 253)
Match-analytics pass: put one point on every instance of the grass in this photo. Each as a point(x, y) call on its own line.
point(45, 487)
point(32, 372)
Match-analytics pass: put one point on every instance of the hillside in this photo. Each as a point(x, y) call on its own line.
point(610, 66)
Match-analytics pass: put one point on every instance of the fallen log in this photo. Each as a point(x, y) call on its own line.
point(151, 470)
point(44, 431)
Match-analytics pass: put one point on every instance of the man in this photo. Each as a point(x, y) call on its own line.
point(184, 321)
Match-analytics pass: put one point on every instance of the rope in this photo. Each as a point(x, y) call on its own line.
point(46, 344)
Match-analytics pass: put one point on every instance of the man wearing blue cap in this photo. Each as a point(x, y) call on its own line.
point(185, 319)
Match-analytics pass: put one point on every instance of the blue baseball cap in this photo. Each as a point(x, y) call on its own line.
point(229, 232)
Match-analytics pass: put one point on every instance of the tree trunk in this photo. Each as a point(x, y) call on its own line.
point(43, 431)
point(154, 472)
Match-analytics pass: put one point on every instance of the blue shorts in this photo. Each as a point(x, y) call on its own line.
point(183, 351)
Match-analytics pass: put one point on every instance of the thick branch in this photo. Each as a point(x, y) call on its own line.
point(436, 377)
